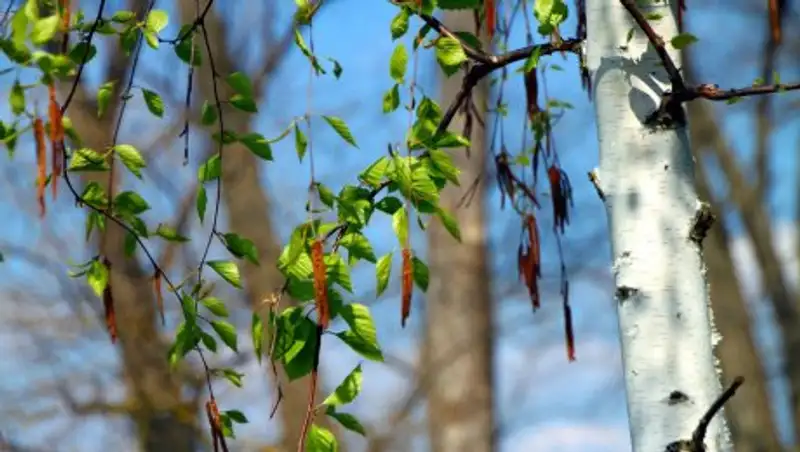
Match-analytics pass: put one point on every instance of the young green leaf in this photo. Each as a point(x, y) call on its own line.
point(16, 99)
point(347, 421)
point(383, 270)
point(169, 233)
point(201, 202)
point(257, 333)
point(391, 99)
point(210, 170)
point(398, 63)
point(131, 158)
point(241, 84)
point(257, 144)
point(128, 203)
point(97, 277)
point(449, 54)
point(226, 332)
point(300, 142)
point(449, 222)
point(154, 102)
point(241, 247)
point(44, 30)
point(348, 389)
point(104, 97)
point(399, 25)
point(320, 439)
point(157, 20)
point(228, 271)
point(236, 415)
point(236, 379)
point(400, 225)
point(358, 246)
point(208, 114)
point(246, 104)
point(361, 336)
point(215, 306)
point(341, 129)
point(420, 273)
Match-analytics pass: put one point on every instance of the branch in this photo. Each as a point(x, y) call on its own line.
point(698, 436)
point(669, 111)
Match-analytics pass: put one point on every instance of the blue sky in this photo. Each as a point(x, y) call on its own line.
point(544, 403)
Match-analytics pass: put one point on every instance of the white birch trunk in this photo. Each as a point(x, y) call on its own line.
point(647, 175)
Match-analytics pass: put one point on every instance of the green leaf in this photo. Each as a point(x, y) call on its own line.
point(348, 389)
point(210, 170)
point(374, 173)
point(131, 158)
point(185, 50)
point(157, 20)
point(226, 332)
point(16, 98)
point(241, 247)
point(257, 333)
point(683, 40)
point(122, 17)
point(257, 144)
point(241, 84)
point(325, 195)
point(209, 342)
point(399, 25)
point(400, 225)
point(201, 202)
point(420, 273)
point(80, 51)
point(130, 203)
point(383, 270)
point(86, 159)
point(104, 97)
point(402, 174)
point(444, 163)
point(550, 14)
point(169, 233)
point(391, 99)
point(449, 222)
point(320, 439)
point(215, 306)
point(389, 205)
point(44, 30)
point(338, 272)
point(347, 421)
point(449, 54)
point(422, 187)
point(236, 379)
point(242, 103)
point(228, 271)
point(151, 38)
point(361, 336)
point(154, 102)
point(97, 277)
point(208, 114)
point(358, 246)
point(300, 142)
point(398, 63)
point(341, 128)
point(237, 416)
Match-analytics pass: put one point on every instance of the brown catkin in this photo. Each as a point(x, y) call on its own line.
point(320, 282)
point(56, 137)
point(407, 287)
point(41, 163)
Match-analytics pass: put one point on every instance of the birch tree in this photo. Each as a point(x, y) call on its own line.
point(629, 58)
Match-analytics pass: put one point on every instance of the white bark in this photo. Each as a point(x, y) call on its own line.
point(647, 175)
